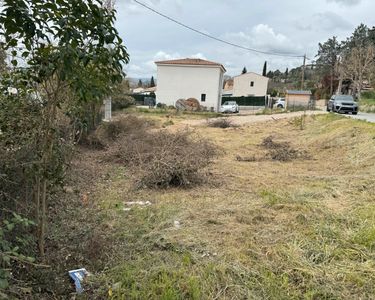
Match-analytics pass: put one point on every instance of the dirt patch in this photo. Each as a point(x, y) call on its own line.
point(278, 151)
point(282, 151)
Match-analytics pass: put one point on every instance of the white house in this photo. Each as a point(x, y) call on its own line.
point(250, 84)
point(190, 78)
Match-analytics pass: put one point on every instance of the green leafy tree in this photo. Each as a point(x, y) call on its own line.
point(361, 37)
point(286, 74)
point(277, 75)
point(270, 74)
point(264, 69)
point(244, 70)
point(65, 54)
point(140, 83)
point(327, 59)
point(3, 65)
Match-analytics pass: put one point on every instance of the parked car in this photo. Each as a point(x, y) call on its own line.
point(229, 107)
point(342, 104)
point(280, 103)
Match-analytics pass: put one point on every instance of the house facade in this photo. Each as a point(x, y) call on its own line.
point(190, 78)
point(250, 84)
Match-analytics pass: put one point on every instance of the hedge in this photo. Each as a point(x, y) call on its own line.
point(246, 101)
point(140, 99)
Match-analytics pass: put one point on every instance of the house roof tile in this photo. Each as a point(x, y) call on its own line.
point(190, 62)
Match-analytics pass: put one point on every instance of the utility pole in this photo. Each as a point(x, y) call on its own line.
point(303, 73)
point(109, 4)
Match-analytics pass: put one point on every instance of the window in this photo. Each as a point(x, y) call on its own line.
point(252, 83)
point(203, 97)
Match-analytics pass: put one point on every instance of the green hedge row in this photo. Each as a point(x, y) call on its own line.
point(140, 99)
point(246, 101)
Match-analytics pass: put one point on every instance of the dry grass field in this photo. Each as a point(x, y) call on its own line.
point(291, 220)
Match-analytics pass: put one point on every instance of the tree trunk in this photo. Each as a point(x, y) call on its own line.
point(48, 142)
point(42, 224)
point(37, 204)
point(339, 89)
point(331, 86)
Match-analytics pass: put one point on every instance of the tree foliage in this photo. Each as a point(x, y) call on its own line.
point(264, 69)
point(71, 56)
point(152, 81)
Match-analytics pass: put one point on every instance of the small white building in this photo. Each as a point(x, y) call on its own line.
point(190, 78)
point(250, 84)
point(138, 90)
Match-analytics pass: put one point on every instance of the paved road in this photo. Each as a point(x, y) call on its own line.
point(364, 116)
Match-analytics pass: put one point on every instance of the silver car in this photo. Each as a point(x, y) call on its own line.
point(342, 104)
point(229, 106)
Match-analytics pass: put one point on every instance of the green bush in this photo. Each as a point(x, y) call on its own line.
point(246, 101)
point(122, 101)
point(161, 105)
point(13, 241)
point(368, 95)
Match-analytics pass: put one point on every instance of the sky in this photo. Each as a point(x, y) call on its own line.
point(289, 26)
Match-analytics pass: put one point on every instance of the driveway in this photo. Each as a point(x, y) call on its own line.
point(364, 116)
point(248, 119)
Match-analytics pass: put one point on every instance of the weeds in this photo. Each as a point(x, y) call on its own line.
point(221, 123)
point(276, 229)
point(299, 122)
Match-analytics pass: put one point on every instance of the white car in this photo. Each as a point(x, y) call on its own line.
point(280, 103)
point(229, 106)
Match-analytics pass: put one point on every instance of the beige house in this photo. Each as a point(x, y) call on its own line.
point(250, 84)
point(298, 98)
point(190, 78)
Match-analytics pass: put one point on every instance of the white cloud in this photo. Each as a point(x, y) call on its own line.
point(346, 2)
point(264, 37)
point(327, 21)
point(265, 26)
point(198, 55)
point(161, 55)
point(148, 67)
point(131, 7)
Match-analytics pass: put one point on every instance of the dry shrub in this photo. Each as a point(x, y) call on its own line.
point(221, 123)
point(281, 151)
point(166, 158)
point(108, 132)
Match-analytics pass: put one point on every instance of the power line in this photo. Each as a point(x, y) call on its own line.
point(216, 38)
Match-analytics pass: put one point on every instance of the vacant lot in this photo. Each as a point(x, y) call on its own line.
point(258, 227)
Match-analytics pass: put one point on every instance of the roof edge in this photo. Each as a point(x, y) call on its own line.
point(180, 62)
point(250, 73)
